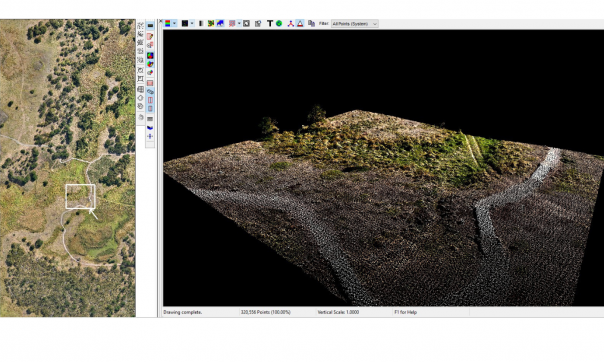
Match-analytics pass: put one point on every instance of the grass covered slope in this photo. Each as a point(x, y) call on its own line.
point(398, 198)
point(360, 140)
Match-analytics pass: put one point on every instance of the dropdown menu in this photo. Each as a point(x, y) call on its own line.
point(355, 23)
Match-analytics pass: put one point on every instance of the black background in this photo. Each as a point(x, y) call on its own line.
point(539, 87)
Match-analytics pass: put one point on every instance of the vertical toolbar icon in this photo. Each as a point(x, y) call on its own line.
point(150, 99)
point(143, 28)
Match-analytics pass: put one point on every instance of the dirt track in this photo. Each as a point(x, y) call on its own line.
point(324, 237)
point(491, 284)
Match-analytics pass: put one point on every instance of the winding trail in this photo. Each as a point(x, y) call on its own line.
point(21, 143)
point(487, 289)
point(89, 194)
point(490, 286)
point(77, 260)
point(326, 240)
point(93, 161)
point(89, 199)
point(88, 167)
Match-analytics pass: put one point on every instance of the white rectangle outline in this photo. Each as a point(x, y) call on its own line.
point(81, 208)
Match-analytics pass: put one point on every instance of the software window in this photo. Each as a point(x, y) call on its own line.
point(373, 169)
point(300, 169)
point(369, 169)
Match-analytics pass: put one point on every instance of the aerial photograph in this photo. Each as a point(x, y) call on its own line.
point(67, 156)
point(387, 211)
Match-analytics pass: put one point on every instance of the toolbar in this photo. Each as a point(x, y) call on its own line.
point(145, 79)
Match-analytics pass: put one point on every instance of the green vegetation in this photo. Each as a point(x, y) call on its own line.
point(36, 31)
point(439, 155)
point(86, 121)
point(118, 146)
point(63, 72)
point(280, 166)
point(16, 179)
point(317, 114)
point(92, 59)
point(332, 174)
point(99, 169)
point(7, 163)
point(98, 239)
point(503, 157)
point(56, 23)
point(124, 28)
point(268, 126)
point(117, 173)
point(572, 181)
point(42, 288)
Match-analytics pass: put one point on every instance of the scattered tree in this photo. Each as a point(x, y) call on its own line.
point(268, 126)
point(317, 114)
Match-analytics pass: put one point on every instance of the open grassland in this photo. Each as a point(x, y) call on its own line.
point(96, 238)
point(24, 68)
